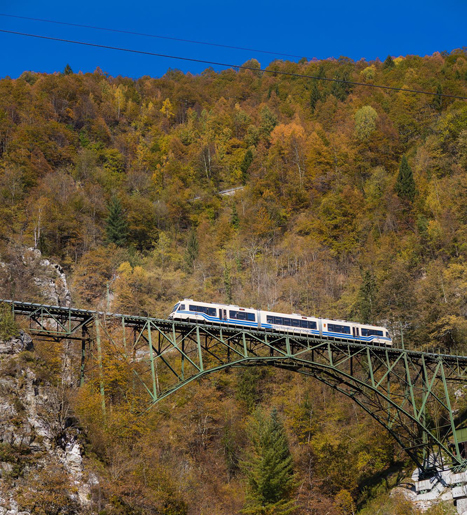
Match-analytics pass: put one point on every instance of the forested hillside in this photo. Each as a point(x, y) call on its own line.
point(353, 206)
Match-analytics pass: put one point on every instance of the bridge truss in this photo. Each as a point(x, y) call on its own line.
point(409, 392)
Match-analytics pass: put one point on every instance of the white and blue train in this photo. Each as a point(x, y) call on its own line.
point(204, 312)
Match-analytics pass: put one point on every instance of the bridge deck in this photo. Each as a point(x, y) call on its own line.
point(407, 391)
point(133, 321)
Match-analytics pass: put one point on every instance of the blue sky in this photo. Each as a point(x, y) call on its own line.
point(312, 29)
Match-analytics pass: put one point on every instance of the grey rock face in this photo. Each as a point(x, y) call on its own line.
point(27, 270)
point(41, 458)
point(49, 277)
point(16, 345)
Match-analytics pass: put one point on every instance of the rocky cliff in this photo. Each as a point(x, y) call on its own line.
point(41, 461)
point(42, 469)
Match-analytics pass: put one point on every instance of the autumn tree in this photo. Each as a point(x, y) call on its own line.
point(365, 122)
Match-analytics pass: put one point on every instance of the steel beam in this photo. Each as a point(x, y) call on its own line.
point(406, 391)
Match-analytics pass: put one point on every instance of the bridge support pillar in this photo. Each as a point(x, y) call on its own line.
point(443, 485)
point(99, 359)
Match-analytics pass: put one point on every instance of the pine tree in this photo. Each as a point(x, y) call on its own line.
point(388, 63)
point(234, 220)
point(438, 99)
point(227, 284)
point(248, 386)
point(67, 70)
point(245, 164)
point(405, 184)
point(340, 87)
point(314, 96)
point(268, 121)
point(269, 468)
point(231, 450)
point(192, 250)
point(116, 223)
point(367, 298)
point(8, 327)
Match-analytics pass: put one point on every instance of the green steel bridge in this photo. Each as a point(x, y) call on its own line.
point(410, 393)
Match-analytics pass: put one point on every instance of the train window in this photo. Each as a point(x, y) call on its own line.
point(242, 315)
point(311, 325)
point(286, 321)
point(182, 307)
point(387, 334)
point(371, 332)
point(295, 322)
point(339, 328)
point(304, 323)
point(203, 309)
point(270, 319)
point(175, 307)
point(278, 320)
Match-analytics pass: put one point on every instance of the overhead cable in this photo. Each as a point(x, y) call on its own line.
point(130, 32)
point(227, 65)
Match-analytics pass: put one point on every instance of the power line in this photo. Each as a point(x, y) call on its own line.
point(227, 65)
point(149, 35)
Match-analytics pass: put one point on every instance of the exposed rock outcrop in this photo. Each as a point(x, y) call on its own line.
point(49, 277)
point(41, 459)
point(24, 269)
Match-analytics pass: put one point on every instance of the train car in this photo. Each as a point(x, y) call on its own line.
point(354, 331)
point(205, 312)
point(194, 311)
point(294, 323)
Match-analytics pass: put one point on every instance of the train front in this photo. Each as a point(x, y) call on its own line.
point(173, 315)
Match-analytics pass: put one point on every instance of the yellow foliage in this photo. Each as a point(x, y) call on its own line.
point(368, 73)
point(167, 109)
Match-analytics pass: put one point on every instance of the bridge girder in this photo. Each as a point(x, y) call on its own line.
point(406, 391)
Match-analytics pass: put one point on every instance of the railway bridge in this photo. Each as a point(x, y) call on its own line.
point(410, 393)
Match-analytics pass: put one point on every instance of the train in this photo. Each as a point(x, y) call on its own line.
point(209, 313)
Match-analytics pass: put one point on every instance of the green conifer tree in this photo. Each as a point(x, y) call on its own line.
point(234, 220)
point(388, 63)
point(67, 70)
point(231, 450)
point(268, 121)
point(405, 184)
point(438, 99)
point(314, 96)
point(269, 468)
point(8, 327)
point(367, 298)
point(340, 87)
point(116, 223)
point(227, 284)
point(245, 164)
point(248, 386)
point(192, 250)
